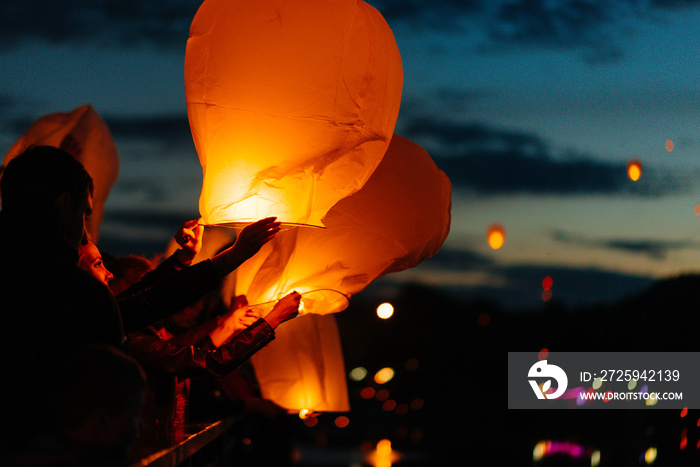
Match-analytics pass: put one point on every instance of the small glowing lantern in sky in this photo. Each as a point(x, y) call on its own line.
point(83, 134)
point(634, 170)
point(291, 105)
point(496, 236)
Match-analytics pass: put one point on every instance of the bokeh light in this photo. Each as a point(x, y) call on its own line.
point(669, 145)
point(650, 455)
point(684, 412)
point(547, 283)
point(384, 375)
point(342, 421)
point(496, 236)
point(358, 374)
point(385, 310)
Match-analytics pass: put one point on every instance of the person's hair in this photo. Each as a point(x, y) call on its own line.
point(90, 378)
point(33, 180)
point(127, 271)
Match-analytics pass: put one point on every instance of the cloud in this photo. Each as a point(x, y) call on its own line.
point(654, 249)
point(592, 26)
point(472, 276)
point(163, 128)
point(488, 160)
point(122, 22)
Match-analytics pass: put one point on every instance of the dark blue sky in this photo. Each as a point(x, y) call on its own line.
point(533, 109)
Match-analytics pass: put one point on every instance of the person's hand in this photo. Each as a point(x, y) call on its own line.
point(285, 309)
point(248, 242)
point(239, 317)
point(189, 237)
point(255, 235)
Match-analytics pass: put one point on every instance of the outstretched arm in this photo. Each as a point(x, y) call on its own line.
point(248, 242)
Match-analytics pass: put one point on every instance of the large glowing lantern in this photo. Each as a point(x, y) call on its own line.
point(291, 105)
point(83, 134)
point(399, 218)
point(303, 368)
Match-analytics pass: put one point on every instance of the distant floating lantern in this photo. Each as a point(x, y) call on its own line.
point(669, 145)
point(291, 104)
point(634, 170)
point(496, 236)
point(84, 135)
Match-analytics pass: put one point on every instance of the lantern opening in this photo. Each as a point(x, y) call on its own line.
point(309, 298)
point(283, 225)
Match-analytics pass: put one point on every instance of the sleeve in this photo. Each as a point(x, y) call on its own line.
point(167, 296)
point(198, 360)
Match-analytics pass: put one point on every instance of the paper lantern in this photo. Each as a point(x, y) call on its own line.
point(303, 368)
point(83, 134)
point(399, 218)
point(291, 105)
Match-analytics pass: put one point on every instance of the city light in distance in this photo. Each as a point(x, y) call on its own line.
point(384, 375)
point(358, 374)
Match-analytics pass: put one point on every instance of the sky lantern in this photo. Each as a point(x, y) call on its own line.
point(291, 104)
point(496, 236)
point(399, 218)
point(303, 370)
point(634, 170)
point(83, 134)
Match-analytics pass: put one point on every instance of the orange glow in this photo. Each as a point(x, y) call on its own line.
point(634, 170)
point(342, 421)
point(385, 310)
point(669, 145)
point(288, 114)
point(547, 283)
point(684, 412)
point(383, 455)
point(684, 443)
point(496, 236)
point(305, 413)
point(696, 209)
